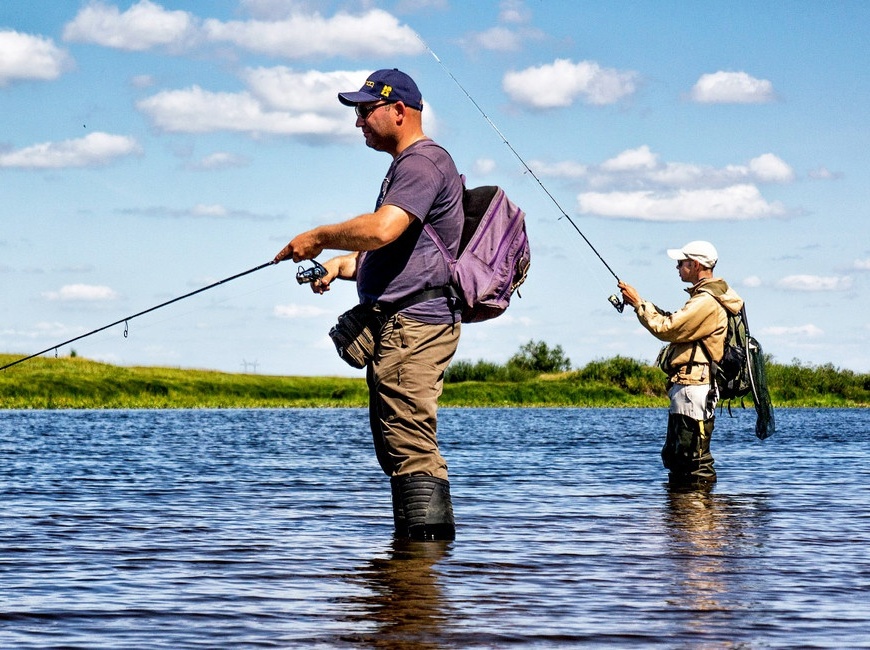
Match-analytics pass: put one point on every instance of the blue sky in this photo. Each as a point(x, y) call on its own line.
point(151, 148)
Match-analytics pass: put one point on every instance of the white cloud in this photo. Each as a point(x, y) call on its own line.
point(278, 101)
point(824, 174)
point(271, 9)
point(738, 202)
point(44, 329)
point(23, 56)
point(632, 159)
point(637, 184)
point(413, 6)
point(484, 166)
point(732, 88)
point(514, 11)
point(194, 110)
point(143, 81)
point(768, 168)
point(281, 88)
point(202, 211)
point(641, 167)
point(752, 281)
point(287, 29)
point(496, 39)
point(511, 32)
point(560, 83)
point(219, 160)
point(815, 283)
point(95, 149)
point(212, 210)
point(807, 331)
point(143, 26)
point(566, 169)
point(862, 265)
point(374, 33)
point(82, 293)
point(298, 311)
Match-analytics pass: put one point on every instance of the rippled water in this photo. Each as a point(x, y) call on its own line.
point(273, 529)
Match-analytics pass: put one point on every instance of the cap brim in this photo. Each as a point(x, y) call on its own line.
point(352, 99)
point(677, 254)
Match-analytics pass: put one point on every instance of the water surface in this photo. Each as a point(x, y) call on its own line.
point(273, 529)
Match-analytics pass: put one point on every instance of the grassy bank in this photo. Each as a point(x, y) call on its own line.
point(80, 383)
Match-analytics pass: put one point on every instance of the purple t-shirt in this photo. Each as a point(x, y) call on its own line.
point(424, 182)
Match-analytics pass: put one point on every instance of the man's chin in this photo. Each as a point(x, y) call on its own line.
point(373, 144)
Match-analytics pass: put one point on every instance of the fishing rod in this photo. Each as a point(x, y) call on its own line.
point(614, 300)
point(302, 276)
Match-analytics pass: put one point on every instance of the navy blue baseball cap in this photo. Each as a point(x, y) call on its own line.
point(390, 85)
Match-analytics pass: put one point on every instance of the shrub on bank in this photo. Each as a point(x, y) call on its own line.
point(619, 381)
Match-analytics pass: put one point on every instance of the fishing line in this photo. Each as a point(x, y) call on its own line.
point(613, 299)
point(126, 320)
point(216, 302)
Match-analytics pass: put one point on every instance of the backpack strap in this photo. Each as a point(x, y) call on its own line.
point(423, 295)
point(706, 350)
point(439, 243)
point(714, 367)
point(448, 290)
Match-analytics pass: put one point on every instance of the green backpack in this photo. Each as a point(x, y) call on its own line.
point(741, 371)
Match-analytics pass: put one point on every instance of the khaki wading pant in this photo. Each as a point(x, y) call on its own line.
point(405, 380)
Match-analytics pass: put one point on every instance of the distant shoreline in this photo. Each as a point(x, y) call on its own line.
point(78, 383)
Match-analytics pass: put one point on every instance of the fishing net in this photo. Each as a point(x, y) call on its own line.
point(765, 424)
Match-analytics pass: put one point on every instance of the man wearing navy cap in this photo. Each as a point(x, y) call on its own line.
point(398, 268)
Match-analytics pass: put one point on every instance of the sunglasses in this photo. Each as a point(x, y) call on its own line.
point(364, 110)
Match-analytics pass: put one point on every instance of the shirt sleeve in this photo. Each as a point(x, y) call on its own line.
point(694, 320)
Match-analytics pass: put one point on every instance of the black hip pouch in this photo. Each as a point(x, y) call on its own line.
point(355, 335)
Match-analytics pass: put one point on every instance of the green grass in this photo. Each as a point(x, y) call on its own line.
point(47, 383)
point(79, 383)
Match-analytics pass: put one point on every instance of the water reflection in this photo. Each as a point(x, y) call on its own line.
point(402, 596)
point(695, 524)
point(711, 538)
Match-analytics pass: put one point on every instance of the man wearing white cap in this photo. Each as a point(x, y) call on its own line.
point(693, 394)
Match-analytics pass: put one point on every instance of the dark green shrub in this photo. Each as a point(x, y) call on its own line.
point(537, 356)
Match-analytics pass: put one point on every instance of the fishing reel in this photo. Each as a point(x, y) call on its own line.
point(617, 303)
point(305, 276)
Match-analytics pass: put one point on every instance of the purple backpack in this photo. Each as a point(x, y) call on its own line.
point(494, 254)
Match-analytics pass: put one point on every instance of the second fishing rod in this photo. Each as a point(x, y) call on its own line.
point(613, 298)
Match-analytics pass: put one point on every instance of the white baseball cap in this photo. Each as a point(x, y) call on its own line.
point(702, 252)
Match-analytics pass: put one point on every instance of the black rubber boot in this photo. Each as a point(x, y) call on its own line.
point(422, 508)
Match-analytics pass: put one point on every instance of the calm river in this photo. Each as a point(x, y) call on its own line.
point(273, 529)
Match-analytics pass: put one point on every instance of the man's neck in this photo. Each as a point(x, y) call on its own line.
point(406, 141)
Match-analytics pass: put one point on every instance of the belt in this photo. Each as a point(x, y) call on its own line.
point(424, 295)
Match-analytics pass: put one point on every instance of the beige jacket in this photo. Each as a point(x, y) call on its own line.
point(702, 318)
